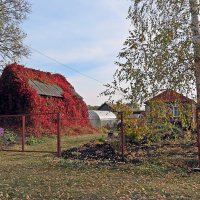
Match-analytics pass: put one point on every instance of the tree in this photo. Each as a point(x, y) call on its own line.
point(194, 5)
point(12, 13)
point(161, 52)
point(92, 107)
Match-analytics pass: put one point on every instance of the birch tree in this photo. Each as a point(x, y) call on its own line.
point(162, 51)
point(195, 26)
point(12, 14)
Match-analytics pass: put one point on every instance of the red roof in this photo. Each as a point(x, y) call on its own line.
point(170, 96)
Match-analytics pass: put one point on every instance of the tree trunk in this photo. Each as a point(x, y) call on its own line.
point(194, 7)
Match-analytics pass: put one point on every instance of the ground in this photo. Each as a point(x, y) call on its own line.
point(34, 176)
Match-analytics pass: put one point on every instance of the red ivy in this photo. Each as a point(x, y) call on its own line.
point(15, 90)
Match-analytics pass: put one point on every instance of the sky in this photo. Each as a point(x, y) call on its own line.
point(79, 39)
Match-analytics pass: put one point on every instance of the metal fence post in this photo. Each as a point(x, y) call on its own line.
point(198, 133)
point(58, 135)
point(122, 135)
point(23, 131)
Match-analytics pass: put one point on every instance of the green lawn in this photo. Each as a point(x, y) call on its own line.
point(44, 176)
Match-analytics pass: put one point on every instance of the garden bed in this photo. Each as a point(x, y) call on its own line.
point(135, 154)
point(99, 152)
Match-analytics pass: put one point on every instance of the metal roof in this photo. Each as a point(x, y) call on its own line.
point(109, 106)
point(102, 115)
point(46, 89)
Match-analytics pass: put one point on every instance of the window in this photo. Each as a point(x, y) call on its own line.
point(175, 111)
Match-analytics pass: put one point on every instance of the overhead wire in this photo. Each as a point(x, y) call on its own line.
point(72, 69)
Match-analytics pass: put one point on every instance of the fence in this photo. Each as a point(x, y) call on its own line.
point(26, 125)
point(51, 124)
point(108, 144)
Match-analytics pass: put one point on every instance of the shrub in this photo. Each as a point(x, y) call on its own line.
point(9, 137)
point(189, 137)
point(104, 130)
point(33, 141)
point(101, 139)
point(157, 133)
point(135, 132)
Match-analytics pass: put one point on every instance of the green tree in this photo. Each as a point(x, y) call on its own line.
point(12, 13)
point(161, 52)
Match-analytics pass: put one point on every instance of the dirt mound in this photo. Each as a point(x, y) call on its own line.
point(100, 152)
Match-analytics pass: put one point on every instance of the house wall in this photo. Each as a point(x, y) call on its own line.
point(164, 111)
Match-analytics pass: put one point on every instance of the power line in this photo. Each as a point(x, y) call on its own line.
point(71, 68)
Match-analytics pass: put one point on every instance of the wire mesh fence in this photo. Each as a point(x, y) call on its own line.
point(21, 132)
point(107, 145)
point(52, 133)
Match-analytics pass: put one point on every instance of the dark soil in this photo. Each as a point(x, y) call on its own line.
point(100, 152)
point(135, 154)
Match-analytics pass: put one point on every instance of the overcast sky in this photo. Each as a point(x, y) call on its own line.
point(83, 35)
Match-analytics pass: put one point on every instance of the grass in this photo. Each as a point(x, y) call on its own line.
point(49, 143)
point(44, 176)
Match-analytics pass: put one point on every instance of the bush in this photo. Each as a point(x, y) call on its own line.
point(163, 132)
point(135, 133)
point(33, 141)
point(9, 137)
point(157, 133)
point(101, 139)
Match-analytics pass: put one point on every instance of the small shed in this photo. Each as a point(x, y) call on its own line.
point(26, 90)
point(100, 119)
point(106, 107)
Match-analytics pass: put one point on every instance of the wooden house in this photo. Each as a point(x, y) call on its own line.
point(173, 106)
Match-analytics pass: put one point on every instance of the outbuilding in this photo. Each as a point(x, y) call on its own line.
point(100, 119)
point(26, 90)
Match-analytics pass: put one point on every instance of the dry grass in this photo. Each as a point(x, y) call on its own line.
point(43, 176)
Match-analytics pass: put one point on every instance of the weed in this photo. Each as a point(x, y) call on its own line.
point(9, 137)
point(33, 141)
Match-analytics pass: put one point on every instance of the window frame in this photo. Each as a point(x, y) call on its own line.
point(175, 111)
